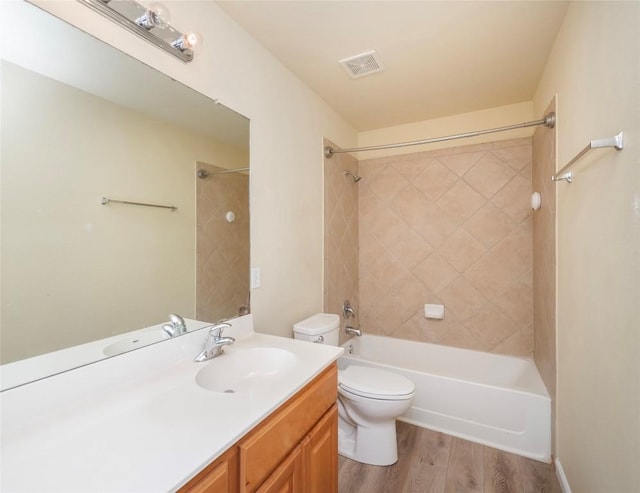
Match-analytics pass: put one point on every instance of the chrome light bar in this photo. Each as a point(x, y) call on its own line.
point(149, 23)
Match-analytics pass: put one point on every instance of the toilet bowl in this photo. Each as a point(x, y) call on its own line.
point(369, 400)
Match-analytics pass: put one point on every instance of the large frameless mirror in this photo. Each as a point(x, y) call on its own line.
point(86, 129)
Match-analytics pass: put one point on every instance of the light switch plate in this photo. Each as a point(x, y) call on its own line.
point(255, 277)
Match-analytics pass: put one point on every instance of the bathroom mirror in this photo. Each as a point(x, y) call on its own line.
point(83, 122)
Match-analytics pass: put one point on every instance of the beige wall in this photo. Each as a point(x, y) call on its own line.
point(449, 227)
point(594, 69)
point(222, 247)
point(288, 123)
point(454, 124)
point(65, 255)
point(341, 226)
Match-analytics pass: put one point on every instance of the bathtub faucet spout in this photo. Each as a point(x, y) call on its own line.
point(353, 331)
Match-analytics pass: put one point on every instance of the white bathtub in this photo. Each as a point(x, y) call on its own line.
point(496, 400)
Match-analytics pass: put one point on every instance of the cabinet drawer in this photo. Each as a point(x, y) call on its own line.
point(264, 449)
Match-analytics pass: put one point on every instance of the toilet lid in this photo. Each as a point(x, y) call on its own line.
point(375, 383)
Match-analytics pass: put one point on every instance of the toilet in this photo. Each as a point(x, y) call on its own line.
point(369, 399)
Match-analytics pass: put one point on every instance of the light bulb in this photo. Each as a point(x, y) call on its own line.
point(187, 41)
point(193, 39)
point(161, 14)
point(157, 15)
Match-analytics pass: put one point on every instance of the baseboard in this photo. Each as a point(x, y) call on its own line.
point(562, 478)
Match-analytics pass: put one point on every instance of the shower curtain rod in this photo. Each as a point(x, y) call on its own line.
point(549, 120)
point(203, 173)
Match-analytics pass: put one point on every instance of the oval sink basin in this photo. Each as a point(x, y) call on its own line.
point(140, 340)
point(245, 370)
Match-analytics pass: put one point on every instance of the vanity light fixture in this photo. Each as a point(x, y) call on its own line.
point(150, 23)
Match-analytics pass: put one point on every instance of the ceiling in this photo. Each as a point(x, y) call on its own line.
point(441, 57)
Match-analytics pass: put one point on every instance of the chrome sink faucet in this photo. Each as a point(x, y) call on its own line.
point(214, 343)
point(176, 326)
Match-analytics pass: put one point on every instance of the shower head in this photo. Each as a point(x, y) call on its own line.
point(355, 178)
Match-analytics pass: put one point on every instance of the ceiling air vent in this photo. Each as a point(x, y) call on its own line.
point(363, 64)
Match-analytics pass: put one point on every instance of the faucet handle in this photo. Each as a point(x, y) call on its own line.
point(177, 320)
point(169, 329)
point(347, 310)
point(216, 330)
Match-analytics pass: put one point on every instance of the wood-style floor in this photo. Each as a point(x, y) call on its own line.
point(432, 462)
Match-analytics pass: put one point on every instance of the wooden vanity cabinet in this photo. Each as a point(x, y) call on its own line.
point(321, 455)
point(221, 476)
point(294, 449)
point(312, 467)
point(288, 477)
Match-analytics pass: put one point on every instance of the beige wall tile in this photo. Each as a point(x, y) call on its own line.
point(490, 325)
point(461, 163)
point(435, 273)
point(519, 344)
point(461, 201)
point(387, 184)
point(516, 301)
point(489, 275)
point(461, 250)
point(410, 169)
point(489, 224)
point(436, 224)
point(515, 250)
point(409, 204)
point(462, 299)
point(515, 198)
point(410, 248)
point(516, 157)
point(489, 175)
point(437, 227)
point(434, 179)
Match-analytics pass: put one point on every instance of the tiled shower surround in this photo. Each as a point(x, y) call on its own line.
point(449, 226)
point(222, 248)
point(544, 256)
point(340, 236)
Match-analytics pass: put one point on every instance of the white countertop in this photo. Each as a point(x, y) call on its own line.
point(138, 422)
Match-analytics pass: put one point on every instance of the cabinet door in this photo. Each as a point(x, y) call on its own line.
point(270, 443)
point(321, 455)
point(221, 476)
point(288, 477)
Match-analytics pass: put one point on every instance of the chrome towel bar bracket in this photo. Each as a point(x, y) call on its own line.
point(566, 174)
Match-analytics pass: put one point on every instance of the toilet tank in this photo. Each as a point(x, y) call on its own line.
point(321, 327)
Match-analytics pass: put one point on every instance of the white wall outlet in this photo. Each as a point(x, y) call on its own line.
point(255, 277)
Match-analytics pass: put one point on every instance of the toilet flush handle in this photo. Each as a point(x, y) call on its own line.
point(320, 339)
